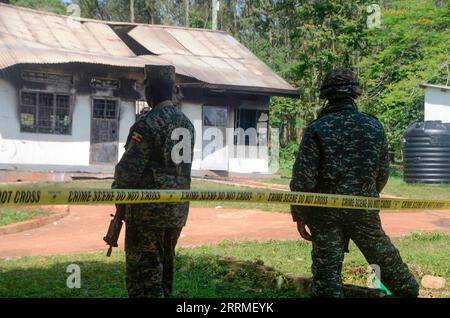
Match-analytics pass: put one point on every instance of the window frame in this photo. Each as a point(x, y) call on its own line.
point(54, 111)
point(117, 100)
point(237, 121)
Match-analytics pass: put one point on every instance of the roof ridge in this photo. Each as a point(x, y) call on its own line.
point(109, 22)
point(238, 69)
point(445, 87)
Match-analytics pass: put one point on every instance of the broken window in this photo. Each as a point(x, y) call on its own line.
point(252, 119)
point(105, 108)
point(43, 112)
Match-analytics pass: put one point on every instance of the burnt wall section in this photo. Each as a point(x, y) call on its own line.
point(77, 79)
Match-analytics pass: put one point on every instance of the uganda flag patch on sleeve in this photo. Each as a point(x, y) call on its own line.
point(137, 137)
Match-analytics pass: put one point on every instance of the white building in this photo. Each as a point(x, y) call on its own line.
point(69, 90)
point(437, 103)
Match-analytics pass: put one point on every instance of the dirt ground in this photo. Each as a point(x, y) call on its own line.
point(83, 229)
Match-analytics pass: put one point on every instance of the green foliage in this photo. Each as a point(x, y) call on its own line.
point(326, 34)
point(411, 48)
point(286, 115)
point(287, 157)
point(302, 40)
point(395, 171)
point(197, 21)
point(55, 6)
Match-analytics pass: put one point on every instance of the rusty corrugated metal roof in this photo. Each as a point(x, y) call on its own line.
point(213, 57)
point(29, 36)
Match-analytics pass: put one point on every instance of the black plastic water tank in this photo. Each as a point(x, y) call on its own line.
point(426, 152)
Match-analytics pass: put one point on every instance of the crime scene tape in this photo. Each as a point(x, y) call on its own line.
point(42, 195)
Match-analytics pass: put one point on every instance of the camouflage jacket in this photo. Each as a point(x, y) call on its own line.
point(344, 151)
point(147, 164)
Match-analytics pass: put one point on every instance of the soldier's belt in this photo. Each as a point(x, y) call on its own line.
point(42, 195)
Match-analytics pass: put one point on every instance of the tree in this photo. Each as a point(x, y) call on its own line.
point(55, 6)
point(411, 48)
point(94, 9)
point(301, 41)
point(186, 13)
point(132, 11)
point(200, 14)
point(148, 11)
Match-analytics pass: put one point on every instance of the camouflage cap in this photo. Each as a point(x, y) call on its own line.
point(339, 83)
point(164, 73)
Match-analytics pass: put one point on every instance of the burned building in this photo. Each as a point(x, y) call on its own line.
point(71, 88)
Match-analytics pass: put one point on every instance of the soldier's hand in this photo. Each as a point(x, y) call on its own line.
point(301, 227)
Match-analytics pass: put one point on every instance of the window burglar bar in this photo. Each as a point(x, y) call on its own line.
point(251, 118)
point(105, 108)
point(44, 112)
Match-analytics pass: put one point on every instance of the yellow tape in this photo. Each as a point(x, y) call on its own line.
point(38, 195)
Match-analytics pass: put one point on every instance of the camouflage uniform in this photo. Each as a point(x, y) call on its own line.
point(345, 151)
point(152, 230)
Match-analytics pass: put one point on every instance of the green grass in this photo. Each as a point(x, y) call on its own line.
point(9, 216)
point(285, 170)
point(199, 273)
point(397, 187)
point(282, 180)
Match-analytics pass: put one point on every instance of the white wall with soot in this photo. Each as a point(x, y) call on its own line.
point(24, 148)
point(39, 151)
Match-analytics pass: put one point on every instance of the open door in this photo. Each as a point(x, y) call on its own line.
point(214, 154)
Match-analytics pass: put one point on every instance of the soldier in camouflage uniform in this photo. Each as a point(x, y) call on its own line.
point(152, 230)
point(345, 151)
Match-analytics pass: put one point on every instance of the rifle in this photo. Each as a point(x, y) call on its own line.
point(112, 236)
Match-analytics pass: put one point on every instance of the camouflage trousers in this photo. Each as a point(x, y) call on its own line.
point(364, 229)
point(149, 260)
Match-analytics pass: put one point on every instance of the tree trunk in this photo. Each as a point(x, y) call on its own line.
point(298, 135)
point(285, 137)
point(286, 44)
point(235, 20)
point(166, 17)
point(269, 26)
point(132, 11)
point(270, 35)
point(186, 13)
point(150, 6)
point(214, 14)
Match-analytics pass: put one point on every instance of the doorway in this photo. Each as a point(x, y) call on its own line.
point(104, 131)
point(214, 150)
